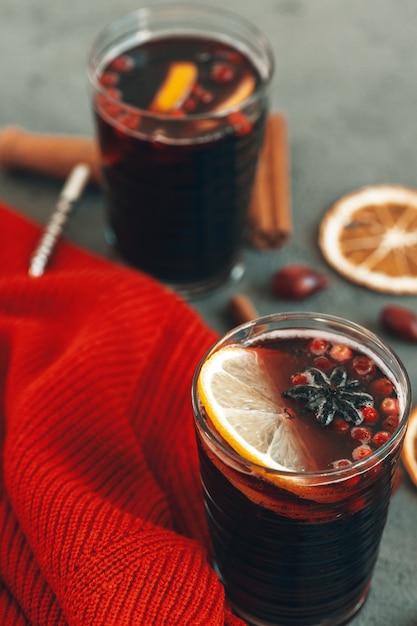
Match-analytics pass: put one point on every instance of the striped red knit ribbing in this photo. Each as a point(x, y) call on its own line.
point(101, 519)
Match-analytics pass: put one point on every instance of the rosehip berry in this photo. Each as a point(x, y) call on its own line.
point(341, 353)
point(361, 452)
point(322, 363)
point(340, 426)
point(109, 79)
point(390, 423)
point(390, 406)
point(341, 463)
point(206, 97)
point(363, 367)
point(298, 379)
point(370, 415)
point(380, 438)
point(241, 124)
point(317, 346)
point(381, 387)
point(222, 73)
point(400, 321)
point(122, 63)
point(361, 434)
point(297, 282)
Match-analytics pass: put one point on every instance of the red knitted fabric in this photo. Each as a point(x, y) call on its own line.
point(101, 516)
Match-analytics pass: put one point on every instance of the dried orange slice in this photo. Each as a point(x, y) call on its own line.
point(370, 237)
point(176, 87)
point(409, 453)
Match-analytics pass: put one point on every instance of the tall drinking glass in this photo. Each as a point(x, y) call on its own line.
point(300, 420)
point(180, 96)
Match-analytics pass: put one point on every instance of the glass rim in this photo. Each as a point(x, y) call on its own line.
point(146, 11)
point(330, 474)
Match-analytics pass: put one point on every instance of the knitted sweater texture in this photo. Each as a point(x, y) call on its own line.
point(101, 515)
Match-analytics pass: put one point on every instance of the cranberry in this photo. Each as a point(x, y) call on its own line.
point(222, 73)
point(322, 363)
point(381, 387)
point(341, 353)
point(341, 463)
point(363, 434)
point(363, 367)
point(130, 119)
point(390, 406)
point(390, 423)
point(241, 124)
point(297, 282)
point(190, 105)
point(317, 346)
point(206, 97)
point(109, 79)
point(361, 452)
point(400, 321)
point(370, 415)
point(177, 113)
point(340, 426)
point(380, 438)
point(122, 63)
point(298, 379)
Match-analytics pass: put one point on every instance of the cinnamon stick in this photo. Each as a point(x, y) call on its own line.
point(270, 210)
point(242, 309)
point(48, 154)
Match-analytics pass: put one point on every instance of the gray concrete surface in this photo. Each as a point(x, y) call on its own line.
point(346, 80)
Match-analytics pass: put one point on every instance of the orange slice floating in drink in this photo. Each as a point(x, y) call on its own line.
point(409, 453)
point(242, 92)
point(370, 237)
point(176, 87)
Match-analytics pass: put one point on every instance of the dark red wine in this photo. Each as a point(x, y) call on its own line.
point(179, 181)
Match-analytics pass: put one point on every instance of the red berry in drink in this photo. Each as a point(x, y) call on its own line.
point(390, 406)
point(122, 63)
point(341, 353)
point(391, 423)
point(206, 97)
point(222, 73)
point(340, 426)
point(322, 363)
point(341, 463)
point(361, 452)
point(380, 438)
point(381, 387)
point(318, 346)
point(241, 124)
point(109, 79)
point(363, 367)
point(363, 434)
point(370, 415)
point(298, 379)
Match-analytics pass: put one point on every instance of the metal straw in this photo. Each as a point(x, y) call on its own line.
point(72, 190)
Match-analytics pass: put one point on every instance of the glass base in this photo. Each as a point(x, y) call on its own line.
point(342, 621)
point(186, 290)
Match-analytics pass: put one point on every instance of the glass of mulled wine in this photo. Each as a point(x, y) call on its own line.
point(300, 419)
point(180, 96)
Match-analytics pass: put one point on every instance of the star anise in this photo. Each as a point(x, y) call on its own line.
point(327, 395)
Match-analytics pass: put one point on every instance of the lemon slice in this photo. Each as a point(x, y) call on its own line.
point(409, 453)
point(246, 409)
point(176, 87)
point(370, 237)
